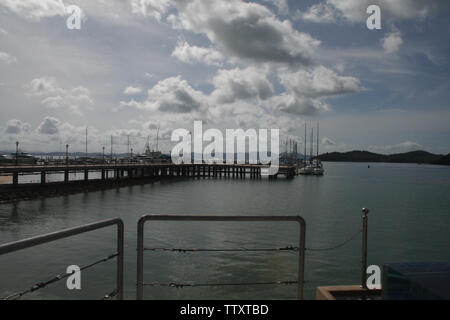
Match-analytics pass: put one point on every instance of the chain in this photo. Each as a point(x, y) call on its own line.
point(57, 278)
point(184, 250)
point(182, 285)
point(337, 246)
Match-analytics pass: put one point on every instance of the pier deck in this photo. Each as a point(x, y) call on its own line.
point(144, 170)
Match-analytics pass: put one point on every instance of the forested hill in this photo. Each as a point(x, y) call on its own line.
point(407, 157)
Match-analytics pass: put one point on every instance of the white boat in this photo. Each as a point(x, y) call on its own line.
point(318, 169)
point(317, 165)
point(307, 167)
point(21, 158)
point(306, 170)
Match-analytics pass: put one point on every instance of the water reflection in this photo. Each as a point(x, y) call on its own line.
point(409, 221)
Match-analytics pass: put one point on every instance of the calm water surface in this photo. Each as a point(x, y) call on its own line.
point(409, 221)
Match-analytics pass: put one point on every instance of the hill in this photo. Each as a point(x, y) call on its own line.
point(407, 157)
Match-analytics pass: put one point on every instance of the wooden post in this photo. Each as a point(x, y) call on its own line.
point(15, 178)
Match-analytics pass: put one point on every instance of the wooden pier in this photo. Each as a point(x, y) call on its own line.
point(143, 170)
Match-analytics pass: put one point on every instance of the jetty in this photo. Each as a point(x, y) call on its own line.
point(93, 177)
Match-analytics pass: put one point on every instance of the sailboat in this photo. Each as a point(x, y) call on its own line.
point(307, 167)
point(318, 168)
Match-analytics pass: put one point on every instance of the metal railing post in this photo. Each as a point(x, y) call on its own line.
point(301, 258)
point(120, 256)
point(365, 212)
point(143, 219)
point(140, 260)
point(66, 233)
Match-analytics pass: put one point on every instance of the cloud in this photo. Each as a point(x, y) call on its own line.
point(193, 54)
point(35, 10)
point(246, 30)
point(331, 11)
point(306, 89)
point(319, 13)
point(55, 97)
point(319, 82)
point(151, 8)
point(400, 147)
point(328, 142)
point(17, 127)
point(281, 5)
point(241, 84)
point(7, 58)
point(392, 42)
point(132, 90)
point(172, 95)
point(44, 86)
point(49, 126)
point(299, 105)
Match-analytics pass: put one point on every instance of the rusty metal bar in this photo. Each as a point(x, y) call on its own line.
point(365, 212)
point(144, 219)
point(50, 237)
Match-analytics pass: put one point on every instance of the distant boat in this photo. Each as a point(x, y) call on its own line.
point(150, 155)
point(317, 167)
point(307, 168)
point(20, 158)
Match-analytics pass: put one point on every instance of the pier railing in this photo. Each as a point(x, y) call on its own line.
point(301, 248)
point(66, 233)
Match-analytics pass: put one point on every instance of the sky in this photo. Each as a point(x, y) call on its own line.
point(139, 65)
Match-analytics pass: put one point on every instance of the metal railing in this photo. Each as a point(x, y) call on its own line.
point(50, 237)
point(300, 249)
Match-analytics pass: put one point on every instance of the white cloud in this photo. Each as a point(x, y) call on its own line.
point(328, 142)
point(132, 90)
point(7, 58)
point(246, 30)
point(331, 11)
point(15, 127)
point(49, 126)
point(392, 42)
point(44, 86)
point(35, 10)
point(151, 8)
point(281, 5)
point(55, 97)
point(319, 13)
point(319, 82)
point(191, 54)
point(400, 147)
point(241, 84)
point(299, 105)
point(172, 95)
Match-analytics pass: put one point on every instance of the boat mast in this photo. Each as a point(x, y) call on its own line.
point(157, 139)
point(304, 153)
point(317, 141)
point(111, 147)
point(312, 144)
point(86, 142)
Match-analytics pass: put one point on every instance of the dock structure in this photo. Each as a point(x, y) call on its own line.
point(144, 170)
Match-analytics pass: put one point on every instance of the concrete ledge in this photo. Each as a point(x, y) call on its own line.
point(346, 293)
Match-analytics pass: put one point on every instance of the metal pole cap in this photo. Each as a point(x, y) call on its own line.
point(365, 210)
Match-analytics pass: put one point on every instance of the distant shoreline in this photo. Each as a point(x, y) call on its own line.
point(413, 157)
